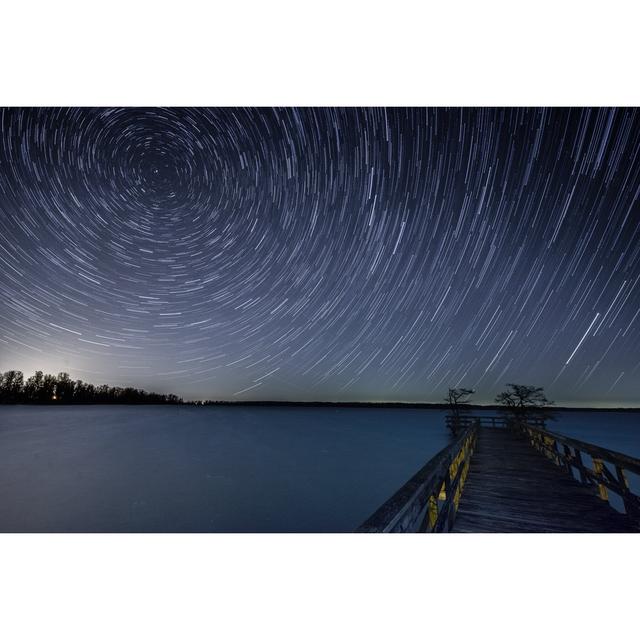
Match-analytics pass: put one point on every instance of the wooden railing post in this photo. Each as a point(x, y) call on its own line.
point(598, 465)
point(432, 513)
point(448, 502)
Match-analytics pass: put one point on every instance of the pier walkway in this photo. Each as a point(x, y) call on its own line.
point(498, 476)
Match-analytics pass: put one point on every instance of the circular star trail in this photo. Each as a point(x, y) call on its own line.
point(324, 254)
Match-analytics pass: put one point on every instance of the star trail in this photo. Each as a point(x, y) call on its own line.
point(324, 254)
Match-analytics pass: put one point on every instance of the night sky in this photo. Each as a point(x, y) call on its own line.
point(324, 254)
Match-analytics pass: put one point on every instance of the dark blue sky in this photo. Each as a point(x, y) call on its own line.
point(324, 254)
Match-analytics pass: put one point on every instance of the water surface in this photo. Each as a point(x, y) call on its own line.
point(226, 469)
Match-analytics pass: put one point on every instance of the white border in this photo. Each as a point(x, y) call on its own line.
point(335, 52)
point(318, 586)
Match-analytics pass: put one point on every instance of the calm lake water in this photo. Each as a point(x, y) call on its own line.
point(226, 469)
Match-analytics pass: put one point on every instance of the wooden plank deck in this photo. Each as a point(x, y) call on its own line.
point(513, 488)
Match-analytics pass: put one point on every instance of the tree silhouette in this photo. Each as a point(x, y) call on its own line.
point(458, 400)
point(64, 388)
point(48, 389)
point(525, 403)
point(11, 386)
point(33, 387)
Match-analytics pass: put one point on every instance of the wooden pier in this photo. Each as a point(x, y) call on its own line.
point(502, 476)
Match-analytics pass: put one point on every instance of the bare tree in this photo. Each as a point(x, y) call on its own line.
point(525, 403)
point(458, 400)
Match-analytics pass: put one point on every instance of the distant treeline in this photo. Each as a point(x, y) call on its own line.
point(61, 389)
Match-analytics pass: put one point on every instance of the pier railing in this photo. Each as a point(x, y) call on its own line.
point(568, 453)
point(470, 420)
point(429, 500)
